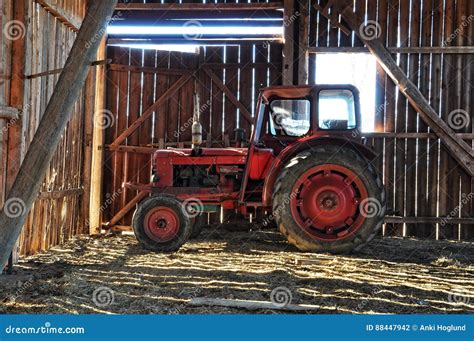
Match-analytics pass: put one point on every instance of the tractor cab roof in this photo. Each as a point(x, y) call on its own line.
point(300, 91)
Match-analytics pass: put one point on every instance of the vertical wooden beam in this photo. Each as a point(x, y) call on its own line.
point(98, 137)
point(27, 184)
point(303, 55)
point(288, 47)
point(20, 65)
point(89, 109)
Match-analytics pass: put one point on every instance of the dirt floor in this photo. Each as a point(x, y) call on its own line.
point(113, 274)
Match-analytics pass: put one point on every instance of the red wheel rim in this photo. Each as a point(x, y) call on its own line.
point(161, 224)
point(325, 202)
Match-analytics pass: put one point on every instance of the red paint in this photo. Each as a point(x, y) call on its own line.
point(246, 176)
point(161, 224)
point(325, 201)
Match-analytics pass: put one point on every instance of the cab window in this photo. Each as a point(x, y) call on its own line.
point(336, 110)
point(290, 117)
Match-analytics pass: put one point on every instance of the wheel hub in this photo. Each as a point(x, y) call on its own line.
point(325, 202)
point(161, 224)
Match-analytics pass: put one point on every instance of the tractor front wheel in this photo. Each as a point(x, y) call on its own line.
point(161, 224)
point(329, 199)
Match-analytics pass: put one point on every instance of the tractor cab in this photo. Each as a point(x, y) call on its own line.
point(289, 114)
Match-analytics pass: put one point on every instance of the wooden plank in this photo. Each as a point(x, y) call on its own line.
point(434, 145)
point(468, 184)
point(403, 158)
point(161, 85)
point(303, 42)
point(251, 305)
point(59, 194)
point(432, 136)
point(59, 13)
point(147, 69)
point(413, 157)
point(422, 202)
point(458, 148)
point(216, 55)
point(288, 47)
point(8, 113)
point(323, 27)
point(396, 50)
point(232, 83)
point(208, 7)
point(428, 220)
point(89, 110)
point(40, 152)
point(246, 87)
point(174, 107)
point(148, 112)
point(230, 95)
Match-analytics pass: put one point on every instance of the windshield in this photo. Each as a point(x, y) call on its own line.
point(336, 110)
point(290, 117)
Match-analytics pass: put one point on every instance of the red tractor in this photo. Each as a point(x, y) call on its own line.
point(305, 167)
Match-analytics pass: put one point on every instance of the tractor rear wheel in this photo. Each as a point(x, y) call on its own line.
point(199, 222)
point(161, 224)
point(329, 199)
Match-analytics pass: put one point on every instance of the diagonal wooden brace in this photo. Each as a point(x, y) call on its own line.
point(148, 112)
point(458, 148)
point(229, 95)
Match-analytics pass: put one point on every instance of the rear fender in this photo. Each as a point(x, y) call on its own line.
point(288, 153)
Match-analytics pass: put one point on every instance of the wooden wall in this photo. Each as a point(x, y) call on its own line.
point(424, 182)
point(49, 33)
point(422, 179)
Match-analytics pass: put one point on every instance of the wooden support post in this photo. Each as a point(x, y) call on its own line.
point(98, 138)
point(288, 47)
point(459, 149)
point(303, 55)
point(27, 184)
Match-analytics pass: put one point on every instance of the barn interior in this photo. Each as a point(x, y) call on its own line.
point(130, 87)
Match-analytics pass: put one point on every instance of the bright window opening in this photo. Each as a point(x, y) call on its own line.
point(358, 69)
